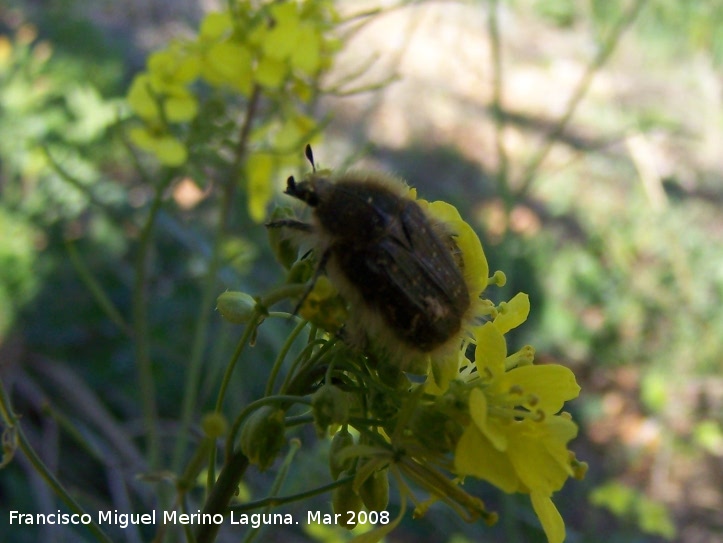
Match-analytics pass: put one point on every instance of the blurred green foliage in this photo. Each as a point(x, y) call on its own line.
point(41, 104)
point(626, 502)
point(19, 281)
point(669, 27)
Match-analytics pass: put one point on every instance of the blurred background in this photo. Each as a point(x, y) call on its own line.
point(581, 139)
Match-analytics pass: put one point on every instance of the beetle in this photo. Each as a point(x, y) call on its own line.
point(398, 268)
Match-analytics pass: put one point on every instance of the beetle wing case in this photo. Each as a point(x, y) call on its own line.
point(398, 268)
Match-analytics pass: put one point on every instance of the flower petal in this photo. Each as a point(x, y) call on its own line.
point(549, 517)
point(491, 351)
point(444, 369)
point(476, 268)
point(478, 412)
point(550, 385)
point(538, 452)
point(514, 313)
point(476, 456)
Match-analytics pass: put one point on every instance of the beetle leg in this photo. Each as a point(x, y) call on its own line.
point(291, 223)
point(319, 268)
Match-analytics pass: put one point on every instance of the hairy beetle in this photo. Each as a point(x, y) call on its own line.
point(399, 269)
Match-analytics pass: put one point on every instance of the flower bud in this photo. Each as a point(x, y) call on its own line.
point(214, 425)
point(330, 405)
point(263, 436)
point(374, 491)
point(341, 440)
point(236, 307)
point(345, 500)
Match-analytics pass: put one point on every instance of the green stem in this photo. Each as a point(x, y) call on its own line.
point(188, 532)
point(248, 332)
point(295, 379)
point(298, 420)
point(281, 476)
point(270, 299)
point(141, 333)
point(275, 501)
point(12, 422)
point(96, 289)
point(282, 355)
point(209, 288)
point(187, 481)
point(261, 309)
point(65, 424)
point(497, 106)
point(245, 338)
point(293, 290)
point(222, 493)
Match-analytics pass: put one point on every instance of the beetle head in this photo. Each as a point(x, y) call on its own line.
point(304, 191)
point(314, 187)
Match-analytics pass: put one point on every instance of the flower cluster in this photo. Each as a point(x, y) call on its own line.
point(480, 413)
point(274, 48)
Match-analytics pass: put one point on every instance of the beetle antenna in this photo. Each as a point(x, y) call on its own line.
point(310, 156)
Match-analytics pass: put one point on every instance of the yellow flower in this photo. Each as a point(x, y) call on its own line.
point(323, 306)
point(290, 39)
point(281, 40)
point(515, 439)
point(227, 63)
point(225, 59)
point(216, 25)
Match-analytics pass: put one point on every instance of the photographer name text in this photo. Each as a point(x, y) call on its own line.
point(123, 520)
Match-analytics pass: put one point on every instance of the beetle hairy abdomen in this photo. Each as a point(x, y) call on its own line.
point(407, 274)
